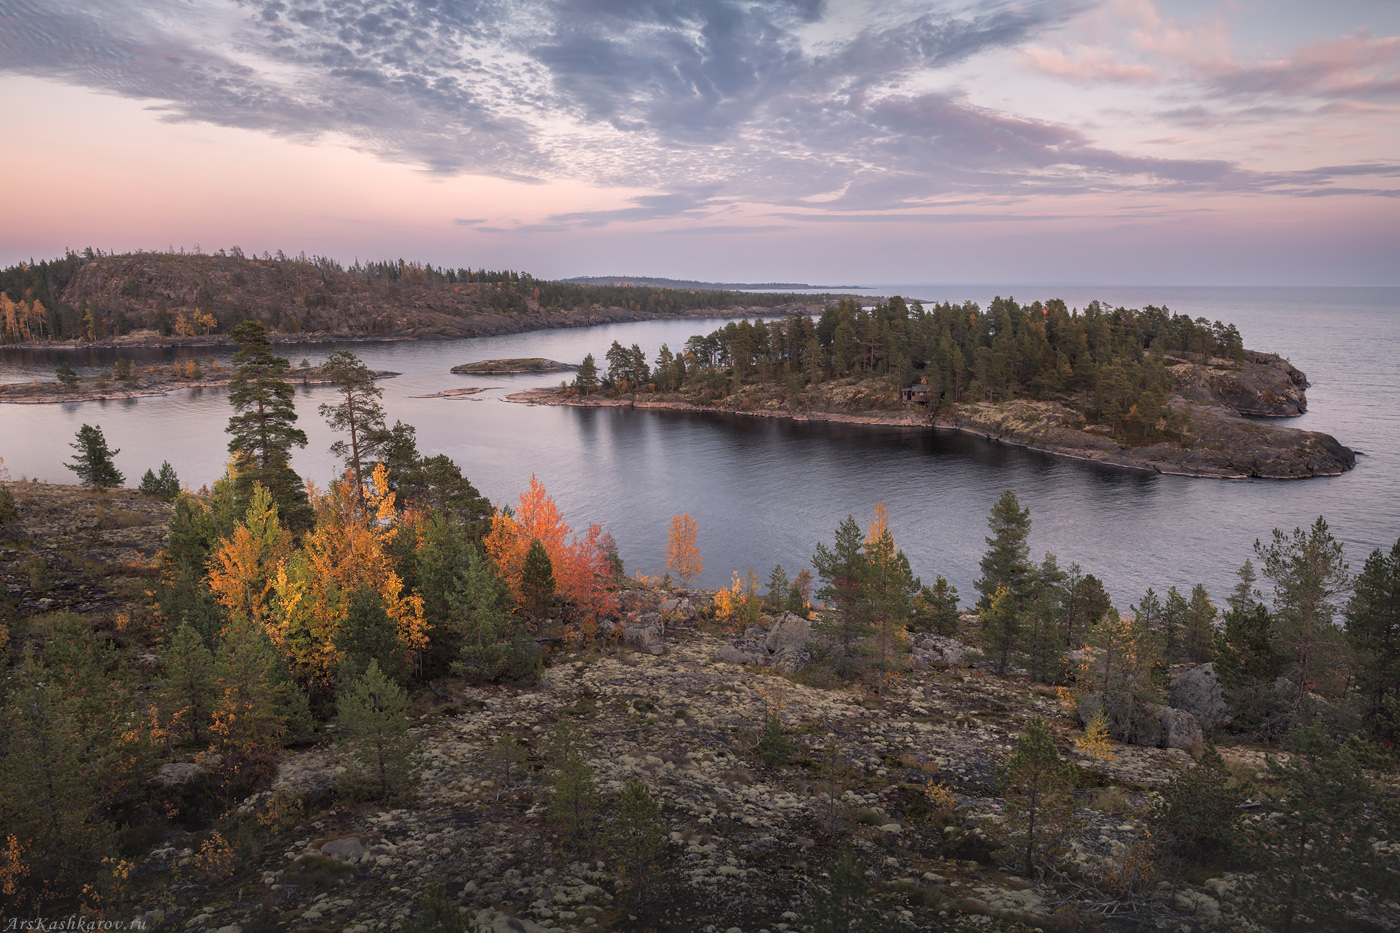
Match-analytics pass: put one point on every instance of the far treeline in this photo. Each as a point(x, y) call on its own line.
point(1113, 361)
point(94, 295)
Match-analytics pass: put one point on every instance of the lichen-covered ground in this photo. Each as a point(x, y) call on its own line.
point(745, 843)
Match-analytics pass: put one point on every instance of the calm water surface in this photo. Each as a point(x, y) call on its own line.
point(765, 491)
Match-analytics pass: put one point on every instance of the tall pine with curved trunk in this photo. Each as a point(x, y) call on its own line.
point(263, 430)
point(1007, 561)
point(359, 414)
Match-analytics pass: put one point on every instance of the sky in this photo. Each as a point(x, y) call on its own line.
point(843, 143)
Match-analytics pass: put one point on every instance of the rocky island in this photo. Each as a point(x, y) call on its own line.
point(1161, 393)
point(503, 367)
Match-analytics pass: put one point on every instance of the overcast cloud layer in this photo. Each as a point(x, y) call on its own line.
point(803, 106)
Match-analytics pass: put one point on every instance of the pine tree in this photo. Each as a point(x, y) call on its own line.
point(536, 580)
point(1309, 577)
point(1317, 841)
point(1038, 788)
point(941, 607)
point(636, 839)
point(1373, 629)
point(372, 714)
point(1001, 628)
point(247, 721)
point(573, 799)
point(839, 905)
point(1007, 561)
point(187, 692)
point(1199, 812)
point(263, 429)
point(359, 414)
point(93, 462)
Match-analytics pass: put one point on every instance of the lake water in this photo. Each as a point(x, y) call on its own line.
point(766, 491)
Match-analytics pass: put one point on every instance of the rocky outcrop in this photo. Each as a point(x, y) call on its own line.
point(1262, 384)
point(1180, 729)
point(931, 650)
point(783, 645)
point(1198, 692)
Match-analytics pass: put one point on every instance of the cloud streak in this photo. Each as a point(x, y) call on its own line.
point(711, 103)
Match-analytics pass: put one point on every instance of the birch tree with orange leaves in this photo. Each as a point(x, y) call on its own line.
point(581, 565)
point(682, 552)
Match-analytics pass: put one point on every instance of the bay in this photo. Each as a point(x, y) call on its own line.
point(765, 491)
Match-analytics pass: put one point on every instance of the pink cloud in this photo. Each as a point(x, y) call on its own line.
point(1092, 65)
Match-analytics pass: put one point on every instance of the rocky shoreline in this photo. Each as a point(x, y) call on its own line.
point(146, 385)
point(1229, 445)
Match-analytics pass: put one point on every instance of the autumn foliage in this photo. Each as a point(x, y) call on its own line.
point(682, 552)
point(581, 566)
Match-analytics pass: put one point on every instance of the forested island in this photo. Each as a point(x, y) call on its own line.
point(1145, 389)
point(165, 298)
point(387, 704)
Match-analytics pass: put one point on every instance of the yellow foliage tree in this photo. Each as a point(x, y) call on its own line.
point(682, 552)
point(242, 572)
point(345, 551)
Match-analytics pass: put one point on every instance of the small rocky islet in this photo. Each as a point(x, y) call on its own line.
point(1230, 407)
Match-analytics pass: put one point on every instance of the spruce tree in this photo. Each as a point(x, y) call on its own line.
point(372, 713)
point(1373, 629)
point(1198, 635)
point(165, 486)
point(587, 379)
point(369, 636)
point(1007, 561)
point(536, 580)
point(359, 414)
point(843, 573)
point(1039, 792)
point(263, 429)
point(93, 462)
point(247, 720)
point(941, 601)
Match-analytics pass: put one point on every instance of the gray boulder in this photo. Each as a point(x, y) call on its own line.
point(940, 649)
point(1198, 692)
point(345, 849)
point(645, 634)
point(742, 652)
point(1180, 729)
point(788, 631)
point(791, 660)
point(677, 608)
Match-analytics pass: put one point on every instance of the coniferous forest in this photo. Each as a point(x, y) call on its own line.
point(388, 703)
